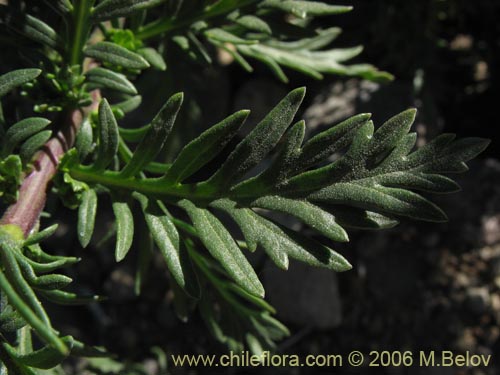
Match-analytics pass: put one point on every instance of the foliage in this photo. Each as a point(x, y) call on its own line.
point(348, 176)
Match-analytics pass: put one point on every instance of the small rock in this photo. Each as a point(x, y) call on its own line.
point(461, 280)
point(467, 341)
point(477, 300)
point(491, 229)
point(495, 302)
point(497, 282)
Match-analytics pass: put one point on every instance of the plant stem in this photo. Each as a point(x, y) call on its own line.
point(33, 192)
point(150, 186)
point(80, 30)
point(166, 25)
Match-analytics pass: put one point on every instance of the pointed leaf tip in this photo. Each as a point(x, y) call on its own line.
point(299, 92)
point(178, 97)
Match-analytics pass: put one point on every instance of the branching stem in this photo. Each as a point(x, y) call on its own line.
point(33, 192)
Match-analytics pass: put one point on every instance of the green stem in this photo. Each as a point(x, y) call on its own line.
point(161, 26)
point(157, 187)
point(80, 30)
point(153, 167)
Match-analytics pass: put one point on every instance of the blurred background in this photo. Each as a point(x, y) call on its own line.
point(415, 287)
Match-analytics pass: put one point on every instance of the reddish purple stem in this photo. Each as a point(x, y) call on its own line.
point(33, 192)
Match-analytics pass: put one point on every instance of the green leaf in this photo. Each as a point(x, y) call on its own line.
point(10, 177)
point(380, 199)
point(387, 136)
point(221, 245)
point(254, 23)
point(279, 242)
point(21, 286)
point(16, 78)
point(40, 236)
point(84, 140)
point(124, 229)
point(23, 130)
point(32, 145)
point(305, 9)
point(167, 239)
point(223, 36)
point(310, 214)
point(41, 328)
point(117, 55)
point(255, 147)
point(64, 5)
point(352, 217)
point(51, 282)
point(105, 78)
point(287, 154)
point(135, 134)
point(69, 299)
point(86, 216)
point(39, 31)
point(108, 136)
point(320, 147)
point(443, 155)
point(154, 58)
point(236, 56)
point(347, 176)
point(321, 40)
point(11, 320)
point(108, 9)
point(257, 233)
point(128, 105)
point(45, 358)
point(312, 63)
point(28, 264)
point(204, 148)
point(155, 138)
